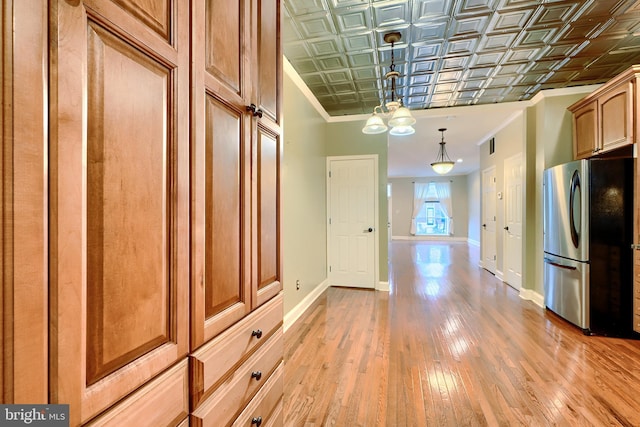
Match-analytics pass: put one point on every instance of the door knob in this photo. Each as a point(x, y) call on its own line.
point(507, 228)
point(484, 225)
point(368, 230)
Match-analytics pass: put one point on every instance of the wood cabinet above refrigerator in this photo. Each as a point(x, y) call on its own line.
point(605, 120)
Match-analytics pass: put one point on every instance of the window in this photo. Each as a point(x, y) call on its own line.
point(432, 221)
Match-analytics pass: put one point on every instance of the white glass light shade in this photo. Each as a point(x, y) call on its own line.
point(374, 125)
point(402, 117)
point(402, 130)
point(442, 167)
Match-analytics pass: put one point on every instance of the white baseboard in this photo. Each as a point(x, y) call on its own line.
point(383, 287)
point(531, 295)
point(297, 311)
point(499, 275)
point(473, 242)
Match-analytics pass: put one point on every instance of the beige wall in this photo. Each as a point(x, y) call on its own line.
point(347, 139)
point(473, 195)
point(304, 202)
point(543, 135)
point(509, 141)
point(549, 143)
point(402, 204)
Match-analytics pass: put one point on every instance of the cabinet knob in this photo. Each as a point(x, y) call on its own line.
point(257, 375)
point(254, 110)
point(257, 333)
point(257, 421)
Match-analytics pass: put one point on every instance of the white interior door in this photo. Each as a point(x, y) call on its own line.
point(513, 221)
point(352, 184)
point(489, 219)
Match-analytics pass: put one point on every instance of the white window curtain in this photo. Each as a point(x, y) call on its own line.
point(420, 191)
point(444, 197)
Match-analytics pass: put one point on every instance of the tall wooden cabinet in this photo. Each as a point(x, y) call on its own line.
point(236, 147)
point(162, 207)
point(119, 200)
point(235, 223)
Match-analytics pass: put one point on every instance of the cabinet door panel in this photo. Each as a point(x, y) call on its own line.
point(269, 56)
point(152, 13)
point(225, 42)
point(585, 125)
point(616, 117)
point(221, 192)
point(225, 283)
point(220, 237)
point(223, 208)
point(119, 204)
point(127, 205)
point(268, 225)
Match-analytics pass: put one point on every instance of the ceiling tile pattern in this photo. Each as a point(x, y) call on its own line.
point(456, 52)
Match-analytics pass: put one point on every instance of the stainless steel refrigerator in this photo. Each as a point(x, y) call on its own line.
point(588, 231)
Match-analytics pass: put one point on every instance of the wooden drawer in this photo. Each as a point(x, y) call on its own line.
point(215, 360)
point(261, 411)
point(163, 401)
point(277, 417)
point(228, 400)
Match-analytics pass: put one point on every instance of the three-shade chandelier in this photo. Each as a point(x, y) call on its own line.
point(401, 121)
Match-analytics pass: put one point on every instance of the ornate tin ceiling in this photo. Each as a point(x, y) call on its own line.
point(456, 52)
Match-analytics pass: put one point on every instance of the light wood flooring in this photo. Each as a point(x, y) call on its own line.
point(451, 345)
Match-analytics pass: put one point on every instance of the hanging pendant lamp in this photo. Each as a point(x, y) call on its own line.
point(443, 163)
point(401, 120)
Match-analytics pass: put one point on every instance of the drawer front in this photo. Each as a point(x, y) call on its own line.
point(277, 417)
point(262, 408)
point(227, 401)
point(163, 401)
point(211, 364)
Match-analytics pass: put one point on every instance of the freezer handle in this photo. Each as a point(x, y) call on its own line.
point(575, 186)
point(555, 264)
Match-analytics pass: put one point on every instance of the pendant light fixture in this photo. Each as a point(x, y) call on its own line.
point(401, 119)
point(443, 163)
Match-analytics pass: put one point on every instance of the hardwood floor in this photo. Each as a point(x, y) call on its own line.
point(451, 345)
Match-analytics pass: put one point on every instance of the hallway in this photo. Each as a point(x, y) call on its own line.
point(450, 345)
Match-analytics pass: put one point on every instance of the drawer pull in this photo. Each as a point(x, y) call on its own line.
point(257, 333)
point(257, 375)
point(257, 421)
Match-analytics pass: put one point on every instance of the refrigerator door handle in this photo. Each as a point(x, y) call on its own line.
point(575, 186)
point(555, 264)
